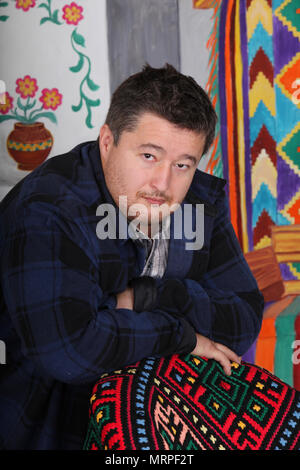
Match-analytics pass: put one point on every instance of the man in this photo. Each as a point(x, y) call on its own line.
point(77, 302)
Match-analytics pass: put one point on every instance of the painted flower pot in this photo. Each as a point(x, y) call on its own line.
point(29, 144)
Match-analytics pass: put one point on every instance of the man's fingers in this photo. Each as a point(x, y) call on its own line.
point(225, 357)
point(211, 350)
point(225, 362)
point(228, 352)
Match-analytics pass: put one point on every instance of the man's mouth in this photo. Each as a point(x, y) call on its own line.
point(153, 200)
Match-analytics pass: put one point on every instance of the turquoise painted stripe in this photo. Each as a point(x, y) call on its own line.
point(260, 38)
point(282, 220)
point(262, 116)
point(264, 200)
point(289, 117)
point(285, 336)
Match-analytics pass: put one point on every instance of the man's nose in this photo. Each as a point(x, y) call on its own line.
point(161, 178)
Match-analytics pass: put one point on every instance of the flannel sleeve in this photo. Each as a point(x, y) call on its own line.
point(227, 305)
point(52, 292)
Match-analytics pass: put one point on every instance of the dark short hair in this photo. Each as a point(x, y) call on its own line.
point(168, 94)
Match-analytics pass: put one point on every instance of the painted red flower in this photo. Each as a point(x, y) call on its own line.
point(51, 98)
point(72, 13)
point(25, 4)
point(26, 86)
point(5, 104)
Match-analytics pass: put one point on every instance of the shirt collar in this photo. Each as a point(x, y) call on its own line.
point(163, 232)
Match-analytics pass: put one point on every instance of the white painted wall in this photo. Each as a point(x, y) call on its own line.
point(44, 52)
point(195, 26)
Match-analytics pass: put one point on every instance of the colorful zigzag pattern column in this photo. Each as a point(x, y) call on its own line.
point(228, 88)
point(233, 108)
point(262, 120)
point(254, 83)
point(286, 15)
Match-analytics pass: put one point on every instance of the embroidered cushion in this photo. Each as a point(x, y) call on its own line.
point(187, 402)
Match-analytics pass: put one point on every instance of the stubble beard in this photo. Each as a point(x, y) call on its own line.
point(151, 217)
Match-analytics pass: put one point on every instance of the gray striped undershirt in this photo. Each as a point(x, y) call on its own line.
point(156, 250)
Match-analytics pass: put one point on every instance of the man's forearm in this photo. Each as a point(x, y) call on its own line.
point(229, 317)
point(204, 346)
point(224, 316)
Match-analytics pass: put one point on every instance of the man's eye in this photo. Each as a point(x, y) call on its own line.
point(182, 166)
point(148, 156)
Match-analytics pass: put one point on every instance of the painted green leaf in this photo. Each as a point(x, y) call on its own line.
point(47, 115)
point(78, 107)
point(88, 119)
point(6, 117)
point(43, 5)
point(3, 18)
point(92, 86)
point(78, 67)
point(90, 102)
point(3, 4)
point(31, 105)
point(55, 17)
point(46, 18)
point(78, 38)
point(21, 106)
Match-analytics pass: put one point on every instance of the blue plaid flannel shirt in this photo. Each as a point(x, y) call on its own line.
point(58, 285)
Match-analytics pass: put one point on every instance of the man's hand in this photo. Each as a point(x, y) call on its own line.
point(211, 350)
point(125, 299)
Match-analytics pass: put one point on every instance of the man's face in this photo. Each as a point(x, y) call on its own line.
point(152, 165)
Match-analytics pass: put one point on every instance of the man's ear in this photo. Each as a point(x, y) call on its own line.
point(106, 141)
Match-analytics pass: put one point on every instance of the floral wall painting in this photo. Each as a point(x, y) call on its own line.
point(55, 77)
point(70, 14)
point(29, 143)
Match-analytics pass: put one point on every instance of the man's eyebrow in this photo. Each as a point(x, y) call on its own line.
point(161, 149)
point(150, 145)
point(190, 157)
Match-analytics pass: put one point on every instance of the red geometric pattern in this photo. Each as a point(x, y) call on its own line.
point(189, 403)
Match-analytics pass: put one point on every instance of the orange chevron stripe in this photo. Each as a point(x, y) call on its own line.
point(213, 164)
point(212, 161)
point(212, 71)
point(204, 4)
